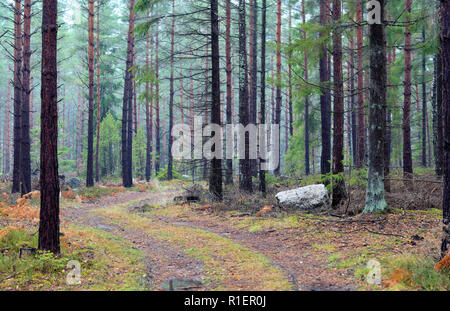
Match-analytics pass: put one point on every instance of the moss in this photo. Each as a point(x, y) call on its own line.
point(375, 201)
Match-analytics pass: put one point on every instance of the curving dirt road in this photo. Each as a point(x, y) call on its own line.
point(205, 253)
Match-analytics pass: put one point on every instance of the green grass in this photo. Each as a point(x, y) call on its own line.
point(422, 275)
point(107, 262)
point(96, 192)
point(41, 268)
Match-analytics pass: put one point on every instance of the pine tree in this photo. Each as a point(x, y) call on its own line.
point(245, 177)
point(407, 153)
point(445, 43)
point(17, 96)
point(338, 125)
point(127, 135)
point(229, 103)
point(215, 180)
point(325, 104)
point(25, 167)
point(90, 153)
point(278, 84)
point(262, 173)
point(361, 146)
point(97, 173)
point(377, 115)
point(49, 180)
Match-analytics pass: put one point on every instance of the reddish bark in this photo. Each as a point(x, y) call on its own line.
point(7, 130)
point(49, 180)
point(97, 173)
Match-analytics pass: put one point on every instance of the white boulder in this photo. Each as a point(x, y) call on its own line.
point(309, 197)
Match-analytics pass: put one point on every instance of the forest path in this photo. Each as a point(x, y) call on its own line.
point(177, 251)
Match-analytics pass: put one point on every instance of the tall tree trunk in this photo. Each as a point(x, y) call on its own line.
point(172, 91)
point(437, 117)
point(278, 86)
point(262, 173)
point(77, 138)
point(131, 104)
point(152, 105)
point(424, 104)
point(407, 153)
point(437, 109)
point(325, 104)
point(388, 127)
point(49, 180)
point(17, 96)
point(445, 42)
point(135, 106)
point(164, 142)
point(97, 173)
point(90, 153)
point(253, 71)
point(245, 178)
point(361, 147)
point(148, 157)
point(338, 125)
point(253, 68)
point(25, 169)
point(7, 131)
point(192, 117)
point(428, 139)
point(31, 104)
point(291, 118)
point(307, 161)
point(63, 129)
point(377, 116)
point(352, 99)
point(229, 68)
point(215, 180)
point(127, 135)
point(157, 110)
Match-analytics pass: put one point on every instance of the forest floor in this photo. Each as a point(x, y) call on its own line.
point(142, 240)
